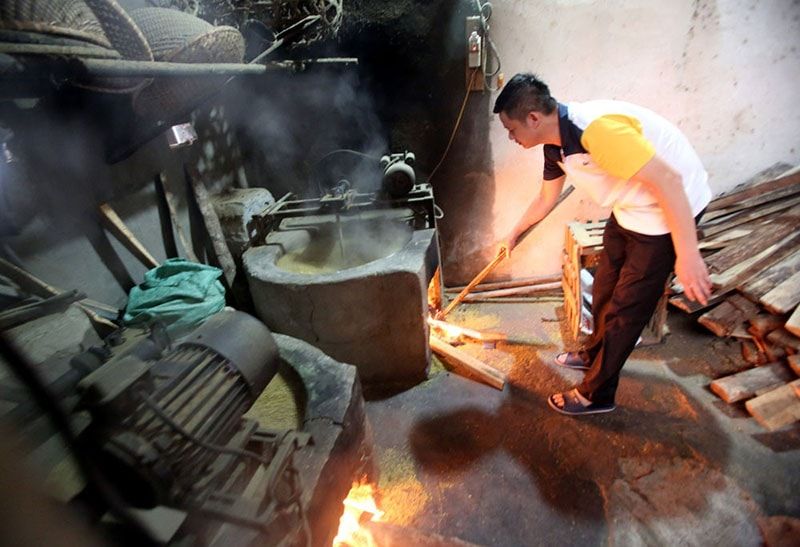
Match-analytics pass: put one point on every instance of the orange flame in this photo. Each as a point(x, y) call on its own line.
point(358, 506)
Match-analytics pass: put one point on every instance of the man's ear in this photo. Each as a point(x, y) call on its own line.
point(533, 118)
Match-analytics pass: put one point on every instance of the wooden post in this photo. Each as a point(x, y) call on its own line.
point(119, 230)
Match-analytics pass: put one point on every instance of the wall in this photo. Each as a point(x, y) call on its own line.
point(725, 71)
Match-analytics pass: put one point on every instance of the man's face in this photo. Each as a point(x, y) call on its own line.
point(524, 132)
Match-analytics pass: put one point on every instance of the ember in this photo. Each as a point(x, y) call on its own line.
point(359, 507)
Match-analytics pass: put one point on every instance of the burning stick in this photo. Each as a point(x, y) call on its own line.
point(454, 331)
point(486, 373)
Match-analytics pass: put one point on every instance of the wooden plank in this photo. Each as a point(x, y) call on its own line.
point(771, 277)
point(794, 363)
point(749, 383)
point(493, 377)
point(776, 408)
point(729, 315)
point(770, 212)
point(758, 189)
point(782, 337)
point(752, 355)
point(757, 241)
point(783, 298)
point(793, 324)
point(768, 202)
point(114, 224)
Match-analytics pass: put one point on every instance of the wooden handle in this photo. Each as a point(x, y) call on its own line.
point(476, 280)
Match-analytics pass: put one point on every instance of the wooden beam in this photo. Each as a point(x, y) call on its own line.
point(165, 217)
point(114, 224)
point(752, 382)
point(783, 298)
point(793, 324)
point(493, 377)
point(765, 211)
point(776, 408)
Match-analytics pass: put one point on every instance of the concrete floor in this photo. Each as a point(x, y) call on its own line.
point(672, 465)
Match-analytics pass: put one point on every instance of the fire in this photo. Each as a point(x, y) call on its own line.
point(359, 505)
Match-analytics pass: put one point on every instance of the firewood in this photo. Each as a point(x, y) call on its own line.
point(782, 337)
point(770, 278)
point(793, 324)
point(783, 298)
point(731, 313)
point(751, 354)
point(520, 291)
point(794, 362)
point(771, 210)
point(528, 281)
point(769, 186)
point(763, 324)
point(749, 383)
point(493, 377)
point(776, 408)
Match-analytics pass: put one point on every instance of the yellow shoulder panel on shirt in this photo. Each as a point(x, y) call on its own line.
point(616, 144)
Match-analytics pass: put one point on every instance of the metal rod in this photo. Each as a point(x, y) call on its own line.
point(152, 69)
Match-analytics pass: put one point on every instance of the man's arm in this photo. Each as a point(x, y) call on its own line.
point(537, 210)
point(666, 185)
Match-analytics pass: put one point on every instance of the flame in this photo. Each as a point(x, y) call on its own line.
point(358, 506)
point(448, 331)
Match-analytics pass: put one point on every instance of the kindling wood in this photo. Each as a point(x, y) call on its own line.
point(783, 298)
point(776, 408)
point(731, 313)
point(793, 324)
point(749, 383)
point(773, 276)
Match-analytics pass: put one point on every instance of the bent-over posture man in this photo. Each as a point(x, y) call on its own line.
point(632, 159)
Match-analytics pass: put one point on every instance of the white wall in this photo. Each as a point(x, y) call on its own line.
point(727, 72)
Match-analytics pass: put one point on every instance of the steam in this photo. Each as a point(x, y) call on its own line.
point(293, 121)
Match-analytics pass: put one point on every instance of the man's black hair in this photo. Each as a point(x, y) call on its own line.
point(522, 94)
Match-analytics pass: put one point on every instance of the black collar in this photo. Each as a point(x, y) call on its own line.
point(570, 133)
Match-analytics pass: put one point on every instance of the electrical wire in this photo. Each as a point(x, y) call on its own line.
point(458, 122)
point(485, 11)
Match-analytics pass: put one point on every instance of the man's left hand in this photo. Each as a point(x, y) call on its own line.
point(693, 275)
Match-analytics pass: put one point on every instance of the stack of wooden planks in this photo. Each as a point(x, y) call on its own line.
point(530, 289)
point(751, 242)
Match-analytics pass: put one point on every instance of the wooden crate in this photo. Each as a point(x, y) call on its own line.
point(583, 243)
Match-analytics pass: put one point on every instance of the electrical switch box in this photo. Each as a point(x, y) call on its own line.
point(475, 54)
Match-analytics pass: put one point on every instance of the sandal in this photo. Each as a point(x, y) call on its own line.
point(571, 359)
point(574, 407)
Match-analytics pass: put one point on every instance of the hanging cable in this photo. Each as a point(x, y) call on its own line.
point(485, 13)
point(458, 122)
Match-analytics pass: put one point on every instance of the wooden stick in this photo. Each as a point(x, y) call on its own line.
point(33, 285)
point(501, 255)
point(119, 230)
point(493, 377)
point(736, 197)
point(520, 291)
point(528, 281)
point(28, 312)
point(212, 226)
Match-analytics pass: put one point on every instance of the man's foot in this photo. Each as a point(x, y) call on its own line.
point(573, 403)
point(571, 359)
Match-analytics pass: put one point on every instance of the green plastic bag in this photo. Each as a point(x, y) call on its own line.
point(179, 294)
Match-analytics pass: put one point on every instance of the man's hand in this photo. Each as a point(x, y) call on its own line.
point(693, 275)
point(509, 242)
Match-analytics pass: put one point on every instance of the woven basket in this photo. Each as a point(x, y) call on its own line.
point(68, 18)
point(99, 22)
point(178, 37)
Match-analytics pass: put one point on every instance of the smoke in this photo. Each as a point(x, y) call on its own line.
point(291, 123)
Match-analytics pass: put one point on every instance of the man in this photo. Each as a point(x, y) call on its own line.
point(635, 161)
